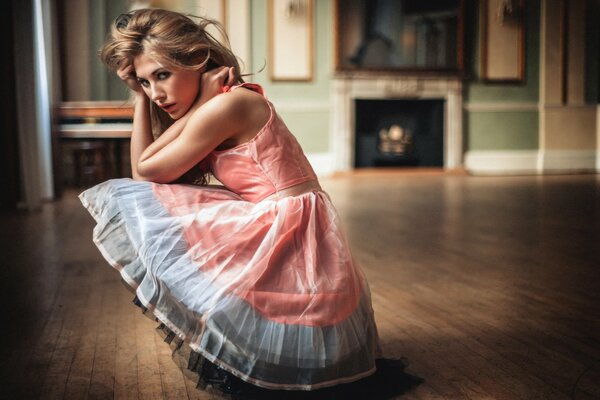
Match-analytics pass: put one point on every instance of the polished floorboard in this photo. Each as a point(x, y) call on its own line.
point(488, 286)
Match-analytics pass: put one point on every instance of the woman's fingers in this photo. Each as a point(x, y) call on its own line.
point(216, 74)
point(214, 80)
point(125, 72)
point(127, 75)
point(221, 74)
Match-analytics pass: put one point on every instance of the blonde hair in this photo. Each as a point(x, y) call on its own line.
point(172, 39)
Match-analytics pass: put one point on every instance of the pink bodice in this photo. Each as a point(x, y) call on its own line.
point(270, 162)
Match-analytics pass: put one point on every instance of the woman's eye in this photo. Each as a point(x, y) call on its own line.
point(163, 75)
point(144, 83)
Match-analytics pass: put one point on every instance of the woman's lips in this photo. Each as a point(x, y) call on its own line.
point(168, 107)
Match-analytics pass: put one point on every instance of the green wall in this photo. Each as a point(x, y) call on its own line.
point(304, 106)
point(105, 85)
point(310, 127)
point(490, 122)
point(480, 92)
point(518, 128)
point(504, 128)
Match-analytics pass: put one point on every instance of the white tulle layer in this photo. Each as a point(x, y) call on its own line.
point(211, 310)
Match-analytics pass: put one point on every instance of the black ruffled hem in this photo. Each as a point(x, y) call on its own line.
point(390, 379)
point(197, 367)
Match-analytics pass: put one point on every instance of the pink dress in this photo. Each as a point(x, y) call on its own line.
point(256, 276)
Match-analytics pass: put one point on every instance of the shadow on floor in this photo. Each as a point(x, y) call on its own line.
point(388, 382)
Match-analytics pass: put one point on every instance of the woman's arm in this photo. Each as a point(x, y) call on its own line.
point(142, 139)
point(208, 126)
point(141, 133)
point(211, 85)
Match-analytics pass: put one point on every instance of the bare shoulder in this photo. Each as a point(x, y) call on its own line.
point(248, 100)
point(242, 102)
point(239, 116)
point(257, 109)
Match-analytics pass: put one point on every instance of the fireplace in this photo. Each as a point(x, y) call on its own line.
point(399, 133)
point(400, 120)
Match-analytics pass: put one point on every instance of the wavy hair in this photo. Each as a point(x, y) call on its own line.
point(172, 39)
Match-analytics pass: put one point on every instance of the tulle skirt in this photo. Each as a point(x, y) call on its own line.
point(267, 291)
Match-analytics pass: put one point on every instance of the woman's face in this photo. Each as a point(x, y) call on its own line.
point(172, 89)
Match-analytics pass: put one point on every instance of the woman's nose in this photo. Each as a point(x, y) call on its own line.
point(157, 93)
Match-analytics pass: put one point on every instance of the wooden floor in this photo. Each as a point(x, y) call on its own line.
point(489, 286)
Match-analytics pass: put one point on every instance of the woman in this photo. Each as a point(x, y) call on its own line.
point(256, 276)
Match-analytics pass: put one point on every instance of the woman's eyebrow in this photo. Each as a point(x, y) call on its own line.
point(156, 71)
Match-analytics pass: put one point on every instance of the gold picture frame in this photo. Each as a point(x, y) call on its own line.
point(428, 38)
point(502, 41)
point(291, 35)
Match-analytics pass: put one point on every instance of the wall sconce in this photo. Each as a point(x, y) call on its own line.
point(507, 11)
point(294, 8)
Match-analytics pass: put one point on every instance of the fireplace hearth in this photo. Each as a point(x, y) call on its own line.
point(399, 133)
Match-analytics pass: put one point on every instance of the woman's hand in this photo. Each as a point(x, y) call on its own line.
point(212, 83)
point(127, 75)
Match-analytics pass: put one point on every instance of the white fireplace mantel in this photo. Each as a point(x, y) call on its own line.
point(348, 89)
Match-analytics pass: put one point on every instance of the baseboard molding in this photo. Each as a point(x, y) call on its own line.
point(509, 162)
point(502, 162)
point(322, 163)
point(525, 162)
point(568, 160)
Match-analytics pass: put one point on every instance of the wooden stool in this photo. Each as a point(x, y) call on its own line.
point(91, 162)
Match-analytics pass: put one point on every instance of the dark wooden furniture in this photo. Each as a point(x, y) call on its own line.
point(96, 131)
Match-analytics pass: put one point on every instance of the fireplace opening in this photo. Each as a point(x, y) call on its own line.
point(399, 133)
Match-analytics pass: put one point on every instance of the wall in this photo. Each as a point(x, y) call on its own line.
point(304, 106)
point(9, 140)
point(75, 37)
point(549, 123)
point(508, 128)
point(502, 116)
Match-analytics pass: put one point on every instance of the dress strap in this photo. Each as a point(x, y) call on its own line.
point(252, 86)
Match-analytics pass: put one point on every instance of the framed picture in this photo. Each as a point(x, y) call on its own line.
point(423, 37)
point(503, 41)
point(291, 31)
